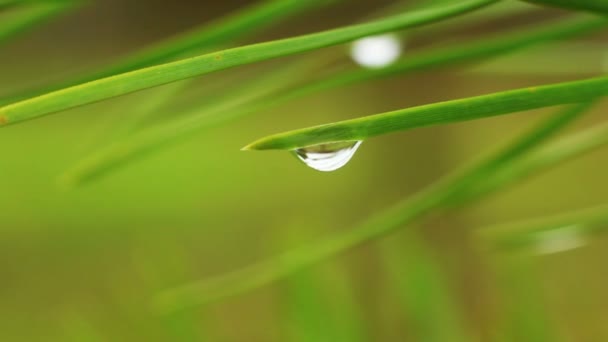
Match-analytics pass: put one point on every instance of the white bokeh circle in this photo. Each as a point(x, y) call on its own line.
point(376, 51)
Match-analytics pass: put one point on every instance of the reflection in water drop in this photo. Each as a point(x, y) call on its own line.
point(328, 157)
point(376, 51)
point(560, 240)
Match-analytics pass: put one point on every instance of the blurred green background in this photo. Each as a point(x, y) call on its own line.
point(85, 264)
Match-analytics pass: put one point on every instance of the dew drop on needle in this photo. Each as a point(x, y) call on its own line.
point(327, 157)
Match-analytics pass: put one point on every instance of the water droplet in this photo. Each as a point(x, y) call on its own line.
point(560, 240)
point(328, 157)
point(376, 51)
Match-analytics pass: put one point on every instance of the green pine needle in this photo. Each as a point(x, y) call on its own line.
point(26, 16)
point(220, 33)
point(126, 83)
point(472, 108)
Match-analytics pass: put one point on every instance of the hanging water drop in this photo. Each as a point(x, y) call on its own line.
point(328, 157)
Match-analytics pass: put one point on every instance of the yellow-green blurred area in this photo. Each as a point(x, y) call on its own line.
point(85, 264)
